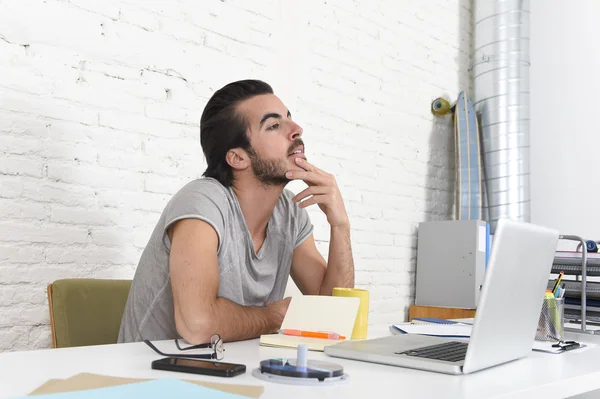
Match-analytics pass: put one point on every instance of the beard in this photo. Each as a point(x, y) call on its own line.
point(271, 172)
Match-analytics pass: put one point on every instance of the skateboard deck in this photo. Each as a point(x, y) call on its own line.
point(468, 165)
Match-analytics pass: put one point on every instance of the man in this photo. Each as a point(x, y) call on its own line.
point(220, 256)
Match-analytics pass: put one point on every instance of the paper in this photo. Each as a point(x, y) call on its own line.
point(48, 387)
point(439, 330)
point(482, 240)
point(155, 389)
point(544, 346)
point(316, 313)
point(91, 381)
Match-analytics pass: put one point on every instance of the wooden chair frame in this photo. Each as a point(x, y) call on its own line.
point(52, 327)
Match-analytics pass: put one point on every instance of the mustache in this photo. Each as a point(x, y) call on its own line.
point(296, 143)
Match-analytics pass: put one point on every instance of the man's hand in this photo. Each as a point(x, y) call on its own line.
point(309, 270)
point(322, 190)
point(279, 309)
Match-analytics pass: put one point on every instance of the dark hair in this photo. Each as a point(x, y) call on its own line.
point(223, 128)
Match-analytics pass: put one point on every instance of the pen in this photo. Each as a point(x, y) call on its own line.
point(558, 280)
point(566, 345)
point(557, 292)
point(572, 346)
point(562, 292)
point(311, 334)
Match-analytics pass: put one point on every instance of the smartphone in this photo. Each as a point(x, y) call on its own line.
point(196, 366)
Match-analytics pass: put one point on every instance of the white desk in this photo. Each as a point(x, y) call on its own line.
point(540, 375)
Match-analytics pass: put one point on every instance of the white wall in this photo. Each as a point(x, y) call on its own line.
point(99, 111)
point(565, 136)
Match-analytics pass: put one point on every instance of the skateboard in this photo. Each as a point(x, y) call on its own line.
point(468, 160)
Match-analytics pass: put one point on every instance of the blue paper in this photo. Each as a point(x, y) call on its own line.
point(435, 320)
point(155, 389)
point(488, 244)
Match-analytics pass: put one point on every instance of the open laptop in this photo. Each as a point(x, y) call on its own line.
point(506, 319)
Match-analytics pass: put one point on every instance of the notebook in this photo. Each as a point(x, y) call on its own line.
point(315, 313)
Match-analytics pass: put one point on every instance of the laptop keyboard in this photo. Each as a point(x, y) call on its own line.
point(448, 351)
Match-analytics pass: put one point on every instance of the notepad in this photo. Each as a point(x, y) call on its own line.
point(456, 330)
point(315, 313)
point(155, 389)
point(289, 341)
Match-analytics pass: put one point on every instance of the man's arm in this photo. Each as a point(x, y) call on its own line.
point(340, 268)
point(199, 312)
point(313, 275)
point(309, 270)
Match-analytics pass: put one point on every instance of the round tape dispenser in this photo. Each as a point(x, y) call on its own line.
point(300, 371)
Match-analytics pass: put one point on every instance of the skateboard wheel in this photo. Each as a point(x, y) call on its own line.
point(591, 246)
point(440, 107)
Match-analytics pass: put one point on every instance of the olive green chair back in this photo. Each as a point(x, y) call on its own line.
point(86, 311)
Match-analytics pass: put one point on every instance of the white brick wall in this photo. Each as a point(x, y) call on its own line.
point(99, 111)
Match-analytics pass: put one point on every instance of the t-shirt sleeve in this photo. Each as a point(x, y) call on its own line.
point(199, 199)
point(305, 227)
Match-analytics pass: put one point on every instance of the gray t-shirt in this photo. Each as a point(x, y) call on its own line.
point(245, 277)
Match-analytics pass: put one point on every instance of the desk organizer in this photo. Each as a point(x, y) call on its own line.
point(581, 265)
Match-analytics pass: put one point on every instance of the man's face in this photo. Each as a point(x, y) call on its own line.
point(274, 137)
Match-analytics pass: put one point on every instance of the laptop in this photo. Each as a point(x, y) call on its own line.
point(506, 319)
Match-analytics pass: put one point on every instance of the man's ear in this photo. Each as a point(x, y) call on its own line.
point(237, 158)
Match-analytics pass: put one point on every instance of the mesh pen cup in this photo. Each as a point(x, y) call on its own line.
point(551, 323)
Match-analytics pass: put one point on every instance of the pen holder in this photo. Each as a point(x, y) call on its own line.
point(551, 322)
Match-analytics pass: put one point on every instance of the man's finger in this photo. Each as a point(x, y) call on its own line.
point(304, 164)
point(315, 199)
point(313, 190)
point(307, 176)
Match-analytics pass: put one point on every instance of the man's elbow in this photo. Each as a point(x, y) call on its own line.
point(195, 330)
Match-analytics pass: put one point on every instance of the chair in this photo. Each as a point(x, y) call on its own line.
point(86, 311)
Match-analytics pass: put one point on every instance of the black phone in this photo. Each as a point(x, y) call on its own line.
point(206, 367)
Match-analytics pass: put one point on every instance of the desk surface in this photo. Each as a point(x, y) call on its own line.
point(539, 375)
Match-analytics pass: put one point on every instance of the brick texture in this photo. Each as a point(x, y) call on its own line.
point(99, 110)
